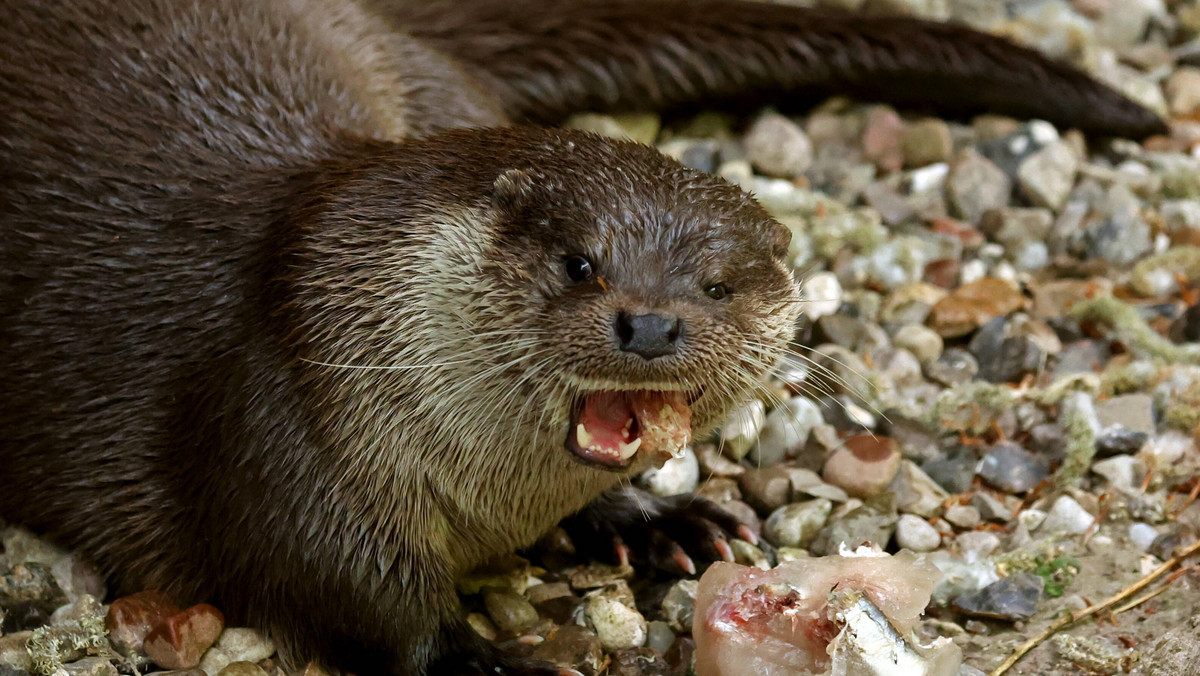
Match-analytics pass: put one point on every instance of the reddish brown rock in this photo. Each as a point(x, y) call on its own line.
point(864, 465)
point(130, 618)
point(883, 139)
point(970, 306)
point(182, 638)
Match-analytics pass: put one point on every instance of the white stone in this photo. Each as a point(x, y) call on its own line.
point(915, 533)
point(821, 295)
point(1121, 471)
point(1066, 516)
point(1142, 535)
point(977, 545)
point(617, 625)
point(1031, 518)
point(677, 475)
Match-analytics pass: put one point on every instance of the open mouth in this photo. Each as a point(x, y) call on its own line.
point(609, 427)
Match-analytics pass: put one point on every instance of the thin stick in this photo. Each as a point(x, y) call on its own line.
point(1078, 615)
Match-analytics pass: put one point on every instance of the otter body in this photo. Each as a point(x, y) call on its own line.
point(291, 322)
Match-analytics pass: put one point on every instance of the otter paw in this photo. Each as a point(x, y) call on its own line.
point(629, 524)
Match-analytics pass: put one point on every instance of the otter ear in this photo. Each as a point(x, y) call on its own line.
point(512, 190)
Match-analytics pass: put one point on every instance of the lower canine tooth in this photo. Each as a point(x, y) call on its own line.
point(581, 436)
point(627, 450)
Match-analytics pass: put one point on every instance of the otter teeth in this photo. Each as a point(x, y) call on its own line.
point(627, 450)
point(582, 436)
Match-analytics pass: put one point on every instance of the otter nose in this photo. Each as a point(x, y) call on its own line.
point(648, 335)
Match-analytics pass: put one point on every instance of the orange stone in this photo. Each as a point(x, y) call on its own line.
point(131, 617)
point(973, 305)
point(180, 641)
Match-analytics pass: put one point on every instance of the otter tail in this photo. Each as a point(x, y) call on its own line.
point(547, 60)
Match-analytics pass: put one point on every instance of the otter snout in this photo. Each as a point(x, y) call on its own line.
point(649, 335)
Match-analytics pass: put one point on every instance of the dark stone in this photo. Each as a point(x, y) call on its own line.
point(1186, 329)
point(833, 411)
point(29, 594)
point(1018, 357)
point(560, 609)
point(954, 470)
point(1047, 441)
point(681, 654)
point(701, 156)
point(1120, 440)
point(873, 522)
point(1010, 468)
point(1012, 598)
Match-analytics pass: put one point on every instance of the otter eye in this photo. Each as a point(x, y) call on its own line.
point(716, 291)
point(579, 269)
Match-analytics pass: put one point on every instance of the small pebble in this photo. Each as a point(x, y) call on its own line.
point(617, 625)
point(975, 185)
point(91, 666)
point(864, 465)
point(1142, 535)
point(510, 611)
point(1067, 516)
point(795, 525)
point(679, 605)
point(785, 431)
point(181, 639)
point(776, 146)
point(741, 429)
point(1011, 598)
point(242, 669)
point(963, 516)
point(1011, 468)
point(676, 476)
point(573, 647)
point(915, 533)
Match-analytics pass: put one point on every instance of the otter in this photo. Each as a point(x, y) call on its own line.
point(294, 320)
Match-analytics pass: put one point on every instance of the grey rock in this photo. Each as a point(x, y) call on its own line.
point(977, 545)
point(963, 516)
point(953, 471)
point(785, 431)
point(638, 662)
point(873, 522)
point(1119, 440)
point(1134, 412)
point(975, 185)
point(1011, 468)
point(1121, 471)
point(1121, 237)
point(953, 367)
point(1011, 598)
point(776, 146)
point(659, 636)
point(14, 654)
point(679, 606)
point(1016, 226)
point(915, 533)
point(992, 508)
point(916, 493)
point(1047, 176)
point(923, 342)
point(795, 525)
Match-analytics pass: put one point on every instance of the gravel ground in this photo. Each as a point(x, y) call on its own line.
point(997, 367)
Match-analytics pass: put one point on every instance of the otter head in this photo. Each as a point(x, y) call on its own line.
point(502, 295)
point(658, 295)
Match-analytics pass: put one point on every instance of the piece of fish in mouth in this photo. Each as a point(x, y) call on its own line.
point(615, 425)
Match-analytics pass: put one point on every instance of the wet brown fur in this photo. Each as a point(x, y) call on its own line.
point(273, 334)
